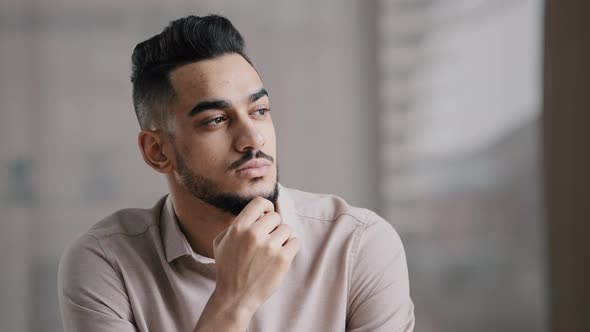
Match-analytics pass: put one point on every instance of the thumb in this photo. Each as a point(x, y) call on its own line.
point(219, 237)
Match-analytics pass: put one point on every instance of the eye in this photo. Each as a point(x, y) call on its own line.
point(215, 121)
point(261, 112)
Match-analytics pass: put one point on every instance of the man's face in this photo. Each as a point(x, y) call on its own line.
point(223, 134)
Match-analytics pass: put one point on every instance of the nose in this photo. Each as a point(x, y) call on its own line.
point(248, 137)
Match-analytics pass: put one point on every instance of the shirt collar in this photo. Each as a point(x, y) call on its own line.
point(286, 208)
point(176, 245)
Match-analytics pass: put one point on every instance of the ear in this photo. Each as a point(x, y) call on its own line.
point(152, 145)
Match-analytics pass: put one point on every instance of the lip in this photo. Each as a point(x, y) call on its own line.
point(254, 168)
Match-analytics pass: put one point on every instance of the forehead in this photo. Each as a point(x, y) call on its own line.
point(228, 77)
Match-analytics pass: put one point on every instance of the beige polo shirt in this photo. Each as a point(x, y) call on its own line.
point(135, 271)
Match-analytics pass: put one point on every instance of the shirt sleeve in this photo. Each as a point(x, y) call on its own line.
point(379, 287)
point(91, 294)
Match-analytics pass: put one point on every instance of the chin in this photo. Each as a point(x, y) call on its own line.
point(256, 187)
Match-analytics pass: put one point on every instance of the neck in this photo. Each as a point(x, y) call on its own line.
point(199, 221)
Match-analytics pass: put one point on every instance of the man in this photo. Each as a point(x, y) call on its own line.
point(229, 249)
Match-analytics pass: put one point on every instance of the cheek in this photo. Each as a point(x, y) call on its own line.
point(190, 151)
point(209, 155)
point(205, 156)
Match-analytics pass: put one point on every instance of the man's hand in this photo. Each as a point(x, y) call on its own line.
point(252, 257)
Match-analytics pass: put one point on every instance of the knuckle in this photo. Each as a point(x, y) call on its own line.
point(269, 250)
point(296, 244)
point(284, 256)
point(274, 217)
point(252, 236)
point(233, 232)
point(285, 229)
point(268, 217)
point(259, 199)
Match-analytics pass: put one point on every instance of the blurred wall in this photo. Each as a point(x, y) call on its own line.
point(459, 85)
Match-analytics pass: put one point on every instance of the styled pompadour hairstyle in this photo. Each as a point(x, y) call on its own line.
point(185, 40)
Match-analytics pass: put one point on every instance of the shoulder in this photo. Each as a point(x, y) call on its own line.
point(327, 207)
point(93, 245)
point(131, 222)
point(371, 231)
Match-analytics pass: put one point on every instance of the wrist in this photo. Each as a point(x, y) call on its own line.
point(223, 314)
point(233, 309)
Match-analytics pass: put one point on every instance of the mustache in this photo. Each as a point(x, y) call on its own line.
point(249, 156)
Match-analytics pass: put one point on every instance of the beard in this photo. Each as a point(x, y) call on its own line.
point(206, 190)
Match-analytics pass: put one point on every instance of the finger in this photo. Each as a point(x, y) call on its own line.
point(280, 235)
point(254, 210)
point(292, 247)
point(267, 223)
point(219, 237)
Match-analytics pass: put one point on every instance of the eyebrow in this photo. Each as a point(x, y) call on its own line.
point(223, 104)
point(257, 95)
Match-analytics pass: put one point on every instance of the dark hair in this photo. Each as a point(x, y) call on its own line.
point(185, 40)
